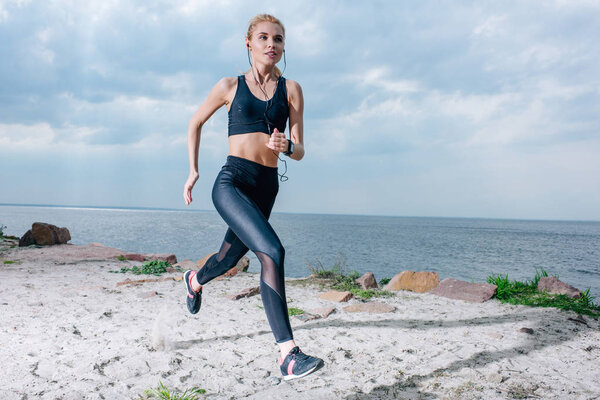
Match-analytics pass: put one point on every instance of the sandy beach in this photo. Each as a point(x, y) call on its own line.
point(69, 331)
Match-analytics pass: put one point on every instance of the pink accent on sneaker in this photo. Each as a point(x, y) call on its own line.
point(192, 274)
point(290, 366)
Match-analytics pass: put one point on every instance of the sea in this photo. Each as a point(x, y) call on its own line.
point(470, 249)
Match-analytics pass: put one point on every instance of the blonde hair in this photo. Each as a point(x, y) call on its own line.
point(264, 18)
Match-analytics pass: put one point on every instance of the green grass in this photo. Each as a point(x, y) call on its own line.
point(295, 311)
point(10, 262)
point(526, 293)
point(121, 258)
point(163, 393)
point(345, 282)
point(153, 267)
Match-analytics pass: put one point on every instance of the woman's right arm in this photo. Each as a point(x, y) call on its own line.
point(215, 100)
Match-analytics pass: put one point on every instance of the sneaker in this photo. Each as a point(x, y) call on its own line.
point(297, 364)
point(193, 299)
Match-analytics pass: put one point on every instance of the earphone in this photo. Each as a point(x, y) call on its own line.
point(282, 177)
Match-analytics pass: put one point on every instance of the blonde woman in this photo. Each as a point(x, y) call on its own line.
point(259, 104)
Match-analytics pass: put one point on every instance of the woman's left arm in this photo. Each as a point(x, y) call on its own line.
point(296, 107)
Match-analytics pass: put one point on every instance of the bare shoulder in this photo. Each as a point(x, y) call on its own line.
point(226, 83)
point(294, 90)
point(293, 87)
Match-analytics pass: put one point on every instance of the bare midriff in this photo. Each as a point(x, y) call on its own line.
point(253, 146)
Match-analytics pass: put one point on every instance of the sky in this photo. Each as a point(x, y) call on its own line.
point(432, 108)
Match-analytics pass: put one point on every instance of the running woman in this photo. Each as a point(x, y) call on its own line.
point(259, 104)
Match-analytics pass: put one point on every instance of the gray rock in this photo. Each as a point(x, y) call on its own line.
point(528, 331)
point(553, 285)
point(461, 290)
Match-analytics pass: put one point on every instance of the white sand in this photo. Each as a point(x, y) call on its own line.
point(68, 332)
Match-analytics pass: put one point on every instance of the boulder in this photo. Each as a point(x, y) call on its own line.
point(370, 307)
point(461, 290)
point(420, 282)
point(335, 295)
point(553, 285)
point(62, 235)
point(367, 281)
point(27, 239)
point(43, 234)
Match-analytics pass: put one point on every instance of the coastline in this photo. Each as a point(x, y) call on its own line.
point(70, 332)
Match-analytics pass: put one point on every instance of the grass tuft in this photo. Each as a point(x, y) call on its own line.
point(295, 311)
point(526, 293)
point(153, 267)
point(339, 280)
point(163, 393)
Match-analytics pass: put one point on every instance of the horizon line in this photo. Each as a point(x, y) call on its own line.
point(283, 212)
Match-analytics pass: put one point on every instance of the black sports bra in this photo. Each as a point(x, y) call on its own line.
point(247, 113)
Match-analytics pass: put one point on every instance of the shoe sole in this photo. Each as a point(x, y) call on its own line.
point(313, 369)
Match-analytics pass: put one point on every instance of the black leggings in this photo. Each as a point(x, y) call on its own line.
point(243, 194)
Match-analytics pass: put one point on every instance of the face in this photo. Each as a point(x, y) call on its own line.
point(267, 43)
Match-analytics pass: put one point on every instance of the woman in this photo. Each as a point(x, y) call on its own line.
point(246, 186)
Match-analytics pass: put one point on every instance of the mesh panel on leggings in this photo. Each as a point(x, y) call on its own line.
point(272, 275)
point(223, 251)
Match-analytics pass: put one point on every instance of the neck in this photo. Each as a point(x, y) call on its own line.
point(264, 73)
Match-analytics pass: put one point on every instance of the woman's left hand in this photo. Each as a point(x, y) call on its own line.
point(278, 141)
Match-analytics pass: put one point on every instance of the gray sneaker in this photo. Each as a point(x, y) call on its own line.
point(297, 364)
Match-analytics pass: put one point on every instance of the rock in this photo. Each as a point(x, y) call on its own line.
point(170, 258)
point(420, 282)
point(367, 281)
point(335, 295)
point(43, 234)
point(370, 307)
point(27, 239)
point(553, 285)
point(186, 264)
point(306, 316)
point(171, 270)
point(461, 290)
point(323, 312)
point(243, 264)
point(48, 234)
point(62, 235)
point(147, 295)
point(528, 331)
point(134, 257)
point(248, 292)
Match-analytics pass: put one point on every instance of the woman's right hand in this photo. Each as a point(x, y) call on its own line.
point(187, 188)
